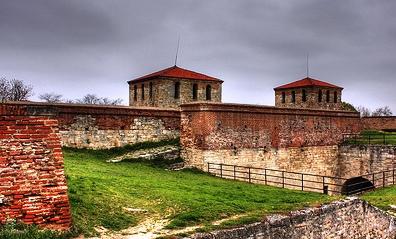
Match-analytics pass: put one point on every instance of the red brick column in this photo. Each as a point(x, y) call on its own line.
point(33, 186)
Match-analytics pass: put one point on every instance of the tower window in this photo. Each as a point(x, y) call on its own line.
point(177, 90)
point(135, 92)
point(151, 90)
point(142, 91)
point(208, 92)
point(320, 96)
point(327, 96)
point(293, 99)
point(304, 95)
point(195, 92)
point(335, 97)
point(283, 97)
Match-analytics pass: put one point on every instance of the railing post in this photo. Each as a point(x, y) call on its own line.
point(384, 138)
point(283, 179)
point(302, 182)
point(393, 176)
point(369, 139)
point(221, 170)
point(249, 177)
point(383, 179)
point(208, 167)
point(234, 172)
point(265, 176)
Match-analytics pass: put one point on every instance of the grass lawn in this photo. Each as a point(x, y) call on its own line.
point(382, 198)
point(121, 195)
point(100, 192)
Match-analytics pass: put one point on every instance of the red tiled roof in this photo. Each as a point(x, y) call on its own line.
point(307, 82)
point(177, 72)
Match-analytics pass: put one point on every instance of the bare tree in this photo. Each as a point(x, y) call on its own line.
point(93, 99)
point(4, 90)
point(364, 111)
point(382, 111)
point(51, 97)
point(14, 90)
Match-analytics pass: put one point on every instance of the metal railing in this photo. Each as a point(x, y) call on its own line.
point(303, 181)
point(370, 138)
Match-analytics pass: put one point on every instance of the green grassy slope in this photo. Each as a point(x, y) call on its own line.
point(100, 192)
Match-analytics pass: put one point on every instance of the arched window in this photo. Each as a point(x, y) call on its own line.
point(142, 91)
point(177, 90)
point(304, 95)
point(327, 96)
point(293, 99)
point(151, 90)
point(335, 97)
point(135, 93)
point(195, 92)
point(283, 97)
point(320, 96)
point(208, 92)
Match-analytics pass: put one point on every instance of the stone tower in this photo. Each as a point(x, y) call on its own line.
point(173, 86)
point(309, 93)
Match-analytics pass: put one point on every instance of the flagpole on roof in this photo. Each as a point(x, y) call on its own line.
point(177, 50)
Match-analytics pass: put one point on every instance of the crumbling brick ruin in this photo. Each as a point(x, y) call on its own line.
point(32, 180)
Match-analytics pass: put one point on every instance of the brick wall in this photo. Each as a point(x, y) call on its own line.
point(33, 187)
point(351, 218)
point(297, 140)
point(387, 123)
point(97, 127)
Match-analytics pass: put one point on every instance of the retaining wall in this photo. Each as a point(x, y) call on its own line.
point(351, 218)
point(33, 186)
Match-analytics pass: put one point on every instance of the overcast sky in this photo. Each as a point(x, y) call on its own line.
point(74, 47)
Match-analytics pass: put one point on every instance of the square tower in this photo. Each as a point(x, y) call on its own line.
point(173, 86)
point(309, 93)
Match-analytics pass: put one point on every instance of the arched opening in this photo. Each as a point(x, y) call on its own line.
point(320, 96)
point(304, 95)
point(208, 92)
point(293, 99)
point(177, 90)
point(195, 92)
point(356, 185)
point(135, 93)
point(142, 91)
point(335, 96)
point(151, 90)
point(283, 97)
point(327, 96)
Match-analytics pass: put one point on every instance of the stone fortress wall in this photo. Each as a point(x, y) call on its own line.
point(33, 186)
point(99, 127)
point(266, 137)
point(386, 123)
point(160, 92)
point(330, 98)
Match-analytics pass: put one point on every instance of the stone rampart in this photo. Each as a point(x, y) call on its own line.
point(386, 123)
point(278, 138)
point(351, 218)
point(98, 127)
point(33, 186)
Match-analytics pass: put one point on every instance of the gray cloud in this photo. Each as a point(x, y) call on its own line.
point(94, 46)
